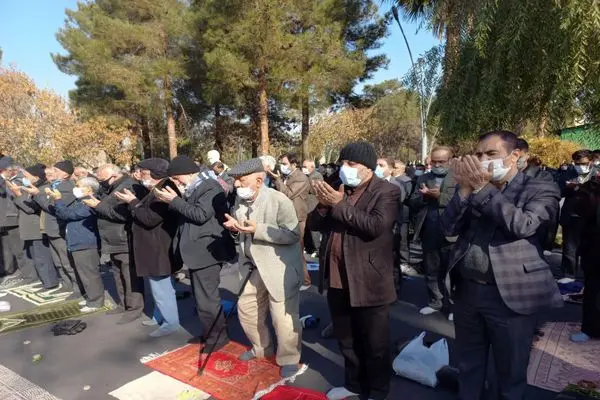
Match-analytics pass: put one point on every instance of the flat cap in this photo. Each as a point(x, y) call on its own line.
point(157, 167)
point(246, 168)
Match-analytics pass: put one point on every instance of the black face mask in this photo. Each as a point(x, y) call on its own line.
point(105, 184)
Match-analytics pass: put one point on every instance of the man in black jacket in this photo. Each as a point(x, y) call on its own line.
point(114, 225)
point(201, 240)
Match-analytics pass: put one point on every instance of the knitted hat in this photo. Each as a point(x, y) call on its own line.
point(5, 162)
point(182, 165)
point(157, 167)
point(246, 168)
point(65, 166)
point(37, 170)
point(360, 152)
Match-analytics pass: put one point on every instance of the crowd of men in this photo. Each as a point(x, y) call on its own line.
point(483, 222)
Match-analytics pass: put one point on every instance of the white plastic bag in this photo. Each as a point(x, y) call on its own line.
point(420, 363)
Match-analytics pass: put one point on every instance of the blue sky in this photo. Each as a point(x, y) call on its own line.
point(28, 28)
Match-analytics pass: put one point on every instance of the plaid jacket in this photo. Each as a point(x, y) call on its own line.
point(524, 279)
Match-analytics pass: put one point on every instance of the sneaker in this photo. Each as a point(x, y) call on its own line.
point(2, 294)
point(428, 310)
point(304, 287)
point(451, 317)
point(164, 331)
point(150, 322)
point(87, 309)
point(52, 291)
point(315, 255)
point(82, 303)
point(408, 270)
point(340, 393)
point(327, 332)
point(287, 371)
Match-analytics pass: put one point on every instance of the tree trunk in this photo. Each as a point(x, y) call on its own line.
point(305, 125)
point(451, 52)
point(543, 123)
point(171, 133)
point(146, 140)
point(263, 112)
point(218, 129)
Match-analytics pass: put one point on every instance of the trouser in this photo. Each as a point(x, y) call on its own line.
point(60, 255)
point(435, 264)
point(307, 280)
point(253, 307)
point(13, 256)
point(590, 321)
point(401, 253)
point(481, 320)
point(39, 256)
point(205, 285)
point(165, 303)
point(363, 336)
point(571, 242)
point(312, 241)
point(87, 267)
point(129, 286)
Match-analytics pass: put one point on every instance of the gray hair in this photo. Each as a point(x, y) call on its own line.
point(90, 182)
point(113, 169)
point(269, 160)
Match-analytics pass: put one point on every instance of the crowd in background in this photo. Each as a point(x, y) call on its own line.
point(360, 217)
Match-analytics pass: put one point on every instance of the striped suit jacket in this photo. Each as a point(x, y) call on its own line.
point(524, 279)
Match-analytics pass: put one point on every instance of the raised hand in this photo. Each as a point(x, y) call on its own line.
point(126, 196)
point(165, 195)
point(327, 195)
point(91, 202)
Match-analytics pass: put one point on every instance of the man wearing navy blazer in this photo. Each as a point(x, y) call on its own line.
point(497, 276)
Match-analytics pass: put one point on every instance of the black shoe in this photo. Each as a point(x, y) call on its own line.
point(130, 316)
point(209, 346)
point(116, 310)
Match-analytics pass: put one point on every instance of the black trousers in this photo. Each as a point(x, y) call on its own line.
point(435, 265)
point(590, 322)
point(481, 320)
point(39, 256)
point(130, 287)
point(13, 255)
point(60, 255)
point(363, 334)
point(87, 266)
point(571, 242)
point(205, 285)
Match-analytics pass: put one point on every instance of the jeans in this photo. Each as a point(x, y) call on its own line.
point(165, 302)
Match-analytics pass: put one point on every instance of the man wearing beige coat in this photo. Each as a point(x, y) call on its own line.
point(269, 236)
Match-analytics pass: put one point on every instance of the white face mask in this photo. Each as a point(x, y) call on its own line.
point(245, 193)
point(78, 192)
point(285, 169)
point(349, 176)
point(305, 171)
point(582, 169)
point(148, 183)
point(499, 170)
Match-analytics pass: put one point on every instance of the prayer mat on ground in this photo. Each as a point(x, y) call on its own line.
point(556, 362)
point(16, 321)
point(293, 393)
point(11, 282)
point(15, 387)
point(35, 294)
point(157, 386)
point(225, 377)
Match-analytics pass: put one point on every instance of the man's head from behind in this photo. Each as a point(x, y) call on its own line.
point(213, 156)
point(218, 168)
point(498, 148)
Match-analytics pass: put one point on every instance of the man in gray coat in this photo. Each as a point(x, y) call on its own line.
point(499, 279)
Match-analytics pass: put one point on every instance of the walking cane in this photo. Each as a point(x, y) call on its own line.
point(210, 352)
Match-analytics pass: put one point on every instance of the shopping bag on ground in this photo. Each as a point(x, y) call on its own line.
point(419, 362)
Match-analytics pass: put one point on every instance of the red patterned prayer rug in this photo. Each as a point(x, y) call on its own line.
point(293, 393)
point(225, 377)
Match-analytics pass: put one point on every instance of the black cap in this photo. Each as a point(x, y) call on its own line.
point(360, 152)
point(65, 166)
point(5, 162)
point(246, 168)
point(157, 167)
point(38, 170)
point(182, 165)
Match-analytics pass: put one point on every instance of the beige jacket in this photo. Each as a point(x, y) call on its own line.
point(275, 246)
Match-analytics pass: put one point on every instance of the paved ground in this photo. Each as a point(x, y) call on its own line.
point(106, 356)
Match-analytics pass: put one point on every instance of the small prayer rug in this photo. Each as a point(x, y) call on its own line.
point(16, 321)
point(15, 387)
point(35, 294)
point(556, 361)
point(225, 377)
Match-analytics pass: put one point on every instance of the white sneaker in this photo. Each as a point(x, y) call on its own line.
point(451, 317)
point(315, 255)
point(87, 309)
point(408, 270)
point(427, 310)
point(82, 303)
point(340, 393)
point(304, 287)
point(2, 294)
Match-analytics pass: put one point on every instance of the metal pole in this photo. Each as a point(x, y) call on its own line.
point(420, 82)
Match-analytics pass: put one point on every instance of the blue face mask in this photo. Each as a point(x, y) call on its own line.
point(418, 172)
point(379, 172)
point(439, 171)
point(349, 176)
point(267, 181)
point(26, 182)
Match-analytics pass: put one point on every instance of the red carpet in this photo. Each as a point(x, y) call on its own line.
point(225, 377)
point(293, 393)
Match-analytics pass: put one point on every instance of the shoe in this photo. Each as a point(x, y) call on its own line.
point(428, 310)
point(208, 346)
point(579, 337)
point(340, 393)
point(327, 332)
point(451, 317)
point(315, 255)
point(116, 310)
point(87, 309)
point(408, 270)
point(2, 294)
point(130, 316)
point(287, 371)
point(251, 355)
point(52, 291)
point(163, 331)
point(304, 287)
point(150, 322)
point(82, 303)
